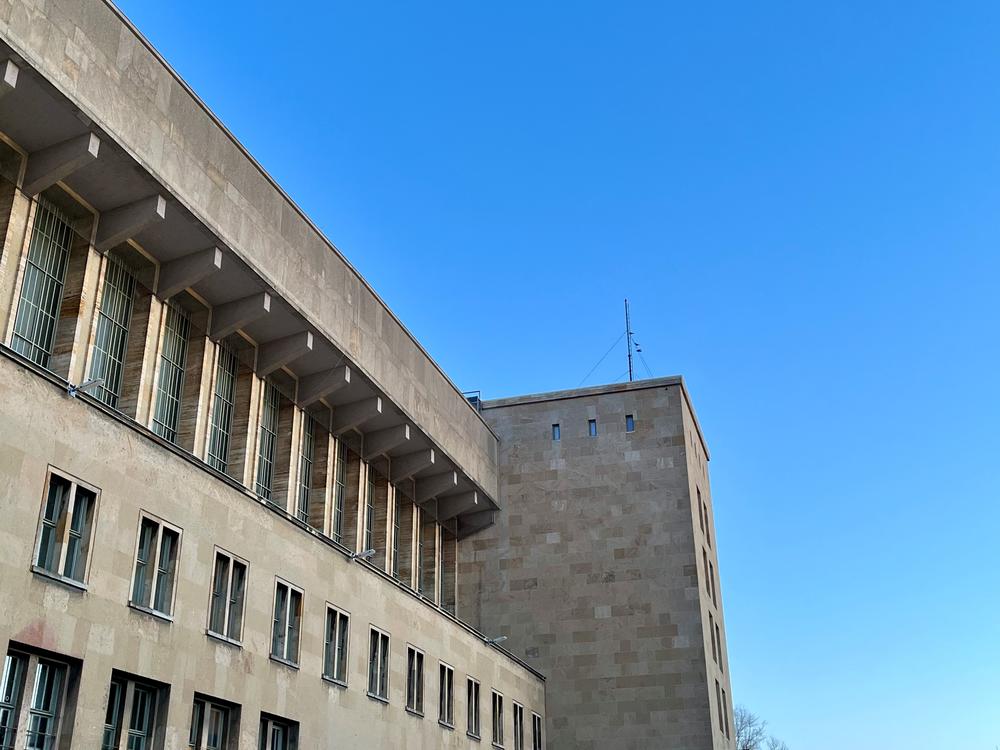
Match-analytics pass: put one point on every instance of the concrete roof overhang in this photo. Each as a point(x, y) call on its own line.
point(135, 207)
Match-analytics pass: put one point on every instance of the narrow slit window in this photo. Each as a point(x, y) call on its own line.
point(592, 427)
point(556, 432)
point(629, 423)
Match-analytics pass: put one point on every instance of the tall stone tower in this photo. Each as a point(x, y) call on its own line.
point(602, 570)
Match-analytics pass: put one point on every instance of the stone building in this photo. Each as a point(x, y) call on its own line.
point(602, 570)
point(236, 490)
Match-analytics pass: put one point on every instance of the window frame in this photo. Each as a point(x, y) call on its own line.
point(415, 658)
point(556, 432)
point(496, 713)
point(228, 637)
point(537, 742)
point(231, 721)
point(629, 423)
point(63, 537)
point(446, 718)
point(339, 613)
point(592, 428)
point(267, 722)
point(292, 589)
point(382, 656)
point(517, 711)
point(150, 609)
point(473, 708)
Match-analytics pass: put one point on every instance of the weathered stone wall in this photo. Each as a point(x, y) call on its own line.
point(592, 569)
point(40, 426)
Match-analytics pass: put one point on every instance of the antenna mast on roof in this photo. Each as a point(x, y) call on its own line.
point(628, 335)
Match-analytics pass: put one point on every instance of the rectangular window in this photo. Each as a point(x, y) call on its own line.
point(518, 727)
point(111, 337)
point(155, 566)
point(335, 645)
point(170, 384)
point(278, 734)
point(339, 492)
point(414, 680)
point(446, 695)
point(718, 642)
point(711, 635)
point(725, 713)
point(592, 427)
point(629, 423)
point(213, 724)
point(701, 511)
point(113, 715)
point(711, 578)
point(497, 719)
point(223, 407)
point(307, 456)
point(229, 581)
point(718, 703)
point(286, 623)
point(378, 665)
point(132, 708)
point(536, 732)
point(395, 538)
point(66, 529)
point(44, 681)
point(472, 707)
point(556, 432)
point(369, 509)
point(267, 441)
point(42, 285)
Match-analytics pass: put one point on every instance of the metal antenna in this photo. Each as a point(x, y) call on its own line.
point(628, 335)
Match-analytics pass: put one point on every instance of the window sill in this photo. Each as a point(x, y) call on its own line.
point(378, 698)
point(414, 712)
point(475, 737)
point(151, 612)
point(56, 578)
point(446, 725)
point(335, 681)
point(284, 662)
point(223, 639)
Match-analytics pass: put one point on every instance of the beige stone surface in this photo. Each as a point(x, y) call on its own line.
point(593, 569)
point(40, 426)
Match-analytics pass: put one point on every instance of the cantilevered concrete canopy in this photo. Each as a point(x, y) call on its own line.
point(64, 144)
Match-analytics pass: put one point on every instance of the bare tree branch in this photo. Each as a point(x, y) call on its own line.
point(751, 730)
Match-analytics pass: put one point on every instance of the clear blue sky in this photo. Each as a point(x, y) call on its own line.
point(802, 205)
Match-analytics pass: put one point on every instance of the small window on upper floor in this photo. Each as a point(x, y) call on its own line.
point(592, 427)
point(629, 423)
point(66, 530)
point(556, 434)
